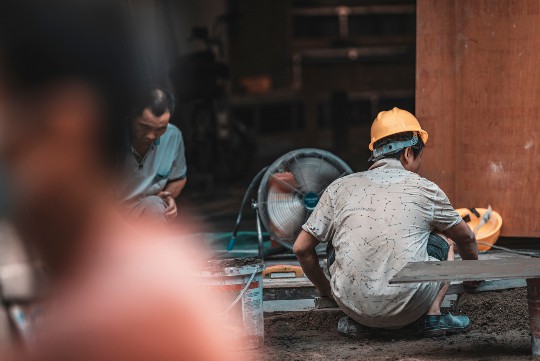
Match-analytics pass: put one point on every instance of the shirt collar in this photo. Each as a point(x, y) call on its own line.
point(387, 163)
point(140, 158)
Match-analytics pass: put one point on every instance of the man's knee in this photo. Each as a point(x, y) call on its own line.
point(151, 205)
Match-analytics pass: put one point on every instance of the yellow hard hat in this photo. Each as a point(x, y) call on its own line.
point(393, 122)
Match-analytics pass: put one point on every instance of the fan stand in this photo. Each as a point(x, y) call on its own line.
point(254, 205)
point(260, 239)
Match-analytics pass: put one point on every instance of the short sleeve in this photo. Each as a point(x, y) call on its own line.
point(444, 214)
point(321, 222)
point(179, 167)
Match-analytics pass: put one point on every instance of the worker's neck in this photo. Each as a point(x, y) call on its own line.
point(140, 147)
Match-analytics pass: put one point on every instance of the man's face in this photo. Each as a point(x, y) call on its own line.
point(147, 128)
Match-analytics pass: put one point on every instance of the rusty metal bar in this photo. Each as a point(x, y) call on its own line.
point(533, 298)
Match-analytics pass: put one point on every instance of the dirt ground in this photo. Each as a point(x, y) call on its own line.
point(499, 331)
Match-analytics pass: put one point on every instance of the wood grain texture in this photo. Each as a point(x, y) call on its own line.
point(500, 269)
point(435, 89)
point(478, 94)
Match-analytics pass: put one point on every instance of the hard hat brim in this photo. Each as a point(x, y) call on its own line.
point(423, 134)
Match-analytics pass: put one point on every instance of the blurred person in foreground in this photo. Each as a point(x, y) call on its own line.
point(116, 292)
point(155, 166)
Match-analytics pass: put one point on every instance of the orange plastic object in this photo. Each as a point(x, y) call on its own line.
point(283, 268)
point(393, 122)
point(260, 84)
point(283, 182)
point(489, 233)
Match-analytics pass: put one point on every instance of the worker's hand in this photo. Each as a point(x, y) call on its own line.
point(325, 293)
point(471, 285)
point(170, 211)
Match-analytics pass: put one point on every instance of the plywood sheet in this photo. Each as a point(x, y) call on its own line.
point(508, 268)
point(478, 94)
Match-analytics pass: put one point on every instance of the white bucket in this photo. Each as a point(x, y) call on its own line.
point(238, 285)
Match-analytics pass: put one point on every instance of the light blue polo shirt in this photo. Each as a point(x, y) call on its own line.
point(164, 162)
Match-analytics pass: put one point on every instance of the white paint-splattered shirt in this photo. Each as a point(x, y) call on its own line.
point(378, 221)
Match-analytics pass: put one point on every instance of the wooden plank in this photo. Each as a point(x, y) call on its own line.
point(287, 283)
point(288, 305)
point(488, 286)
point(509, 268)
point(353, 10)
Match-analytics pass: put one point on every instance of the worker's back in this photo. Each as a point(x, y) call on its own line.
point(381, 220)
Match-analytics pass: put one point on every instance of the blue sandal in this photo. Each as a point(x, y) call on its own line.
point(440, 325)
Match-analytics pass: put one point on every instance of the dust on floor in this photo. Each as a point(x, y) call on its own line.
point(499, 331)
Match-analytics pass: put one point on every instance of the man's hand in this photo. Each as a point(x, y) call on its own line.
point(171, 211)
point(465, 240)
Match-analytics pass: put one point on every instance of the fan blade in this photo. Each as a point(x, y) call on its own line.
point(314, 174)
point(286, 213)
point(287, 185)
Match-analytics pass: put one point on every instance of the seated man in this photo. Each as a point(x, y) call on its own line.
point(156, 165)
point(375, 223)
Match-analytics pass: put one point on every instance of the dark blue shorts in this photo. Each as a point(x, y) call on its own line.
point(437, 247)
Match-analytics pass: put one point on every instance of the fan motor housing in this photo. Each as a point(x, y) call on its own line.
point(310, 200)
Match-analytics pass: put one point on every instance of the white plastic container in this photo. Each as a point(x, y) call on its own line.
point(237, 283)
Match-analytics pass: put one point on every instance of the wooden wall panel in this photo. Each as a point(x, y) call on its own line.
point(435, 89)
point(488, 111)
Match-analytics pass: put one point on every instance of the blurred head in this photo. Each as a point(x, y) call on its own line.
point(152, 118)
point(410, 157)
point(67, 72)
point(66, 76)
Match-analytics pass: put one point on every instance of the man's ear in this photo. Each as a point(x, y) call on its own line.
point(408, 155)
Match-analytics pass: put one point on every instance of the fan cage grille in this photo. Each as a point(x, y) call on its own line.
point(292, 186)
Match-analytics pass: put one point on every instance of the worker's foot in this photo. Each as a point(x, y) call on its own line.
point(440, 325)
point(350, 328)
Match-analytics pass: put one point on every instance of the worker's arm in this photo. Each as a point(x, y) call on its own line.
point(178, 173)
point(465, 240)
point(304, 249)
point(175, 187)
point(171, 191)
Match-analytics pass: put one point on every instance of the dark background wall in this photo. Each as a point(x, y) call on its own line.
point(326, 68)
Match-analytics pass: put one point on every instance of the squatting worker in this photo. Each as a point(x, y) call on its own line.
point(376, 222)
point(156, 165)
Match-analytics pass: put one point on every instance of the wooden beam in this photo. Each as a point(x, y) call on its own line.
point(509, 268)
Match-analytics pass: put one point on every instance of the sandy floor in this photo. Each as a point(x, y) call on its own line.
point(499, 331)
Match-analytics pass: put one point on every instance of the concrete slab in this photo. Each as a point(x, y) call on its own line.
point(288, 305)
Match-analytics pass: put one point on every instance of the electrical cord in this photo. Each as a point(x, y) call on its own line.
point(523, 253)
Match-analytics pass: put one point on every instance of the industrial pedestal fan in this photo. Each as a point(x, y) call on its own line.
point(288, 191)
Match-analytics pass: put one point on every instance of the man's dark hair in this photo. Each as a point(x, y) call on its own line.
point(158, 100)
point(43, 43)
point(417, 148)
